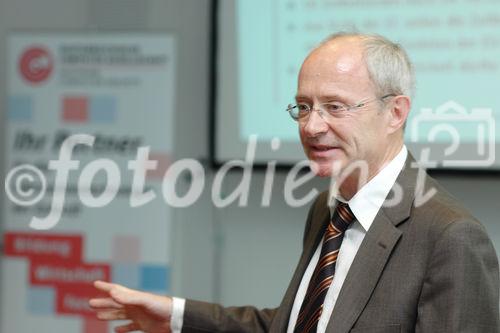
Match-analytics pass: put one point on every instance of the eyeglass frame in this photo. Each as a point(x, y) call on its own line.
point(347, 108)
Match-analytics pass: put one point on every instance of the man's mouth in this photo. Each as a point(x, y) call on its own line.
point(321, 150)
point(322, 147)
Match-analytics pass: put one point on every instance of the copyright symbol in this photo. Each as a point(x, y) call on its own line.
point(25, 185)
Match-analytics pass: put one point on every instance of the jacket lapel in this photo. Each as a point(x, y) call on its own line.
point(373, 255)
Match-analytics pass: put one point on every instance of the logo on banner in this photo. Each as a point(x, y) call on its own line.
point(36, 64)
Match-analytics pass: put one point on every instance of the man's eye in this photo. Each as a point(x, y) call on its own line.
point(334, 107)
point(303, 108)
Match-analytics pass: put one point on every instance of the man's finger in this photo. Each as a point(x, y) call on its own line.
point(121, 294)
point(104, 286)
point(104, 303)
point(127, 328)
point(111, 315)
point(127, 296)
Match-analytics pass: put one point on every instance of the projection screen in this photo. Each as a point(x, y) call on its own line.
point(454, 46)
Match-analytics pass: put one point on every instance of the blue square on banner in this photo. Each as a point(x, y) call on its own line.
point(127, 275)
point(102, 109)
point(20, 108)
point(155, 278)
point(41, 300)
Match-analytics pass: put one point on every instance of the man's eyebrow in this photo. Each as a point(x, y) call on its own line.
point(297, 97)
point(328, 97)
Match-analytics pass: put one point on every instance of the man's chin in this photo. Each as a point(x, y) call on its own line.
point(325, 168)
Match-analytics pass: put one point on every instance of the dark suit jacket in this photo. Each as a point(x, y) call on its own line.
point(421, 268)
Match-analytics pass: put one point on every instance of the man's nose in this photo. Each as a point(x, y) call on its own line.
point(315, 124)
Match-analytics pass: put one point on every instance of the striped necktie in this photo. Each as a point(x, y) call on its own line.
point(312, 306)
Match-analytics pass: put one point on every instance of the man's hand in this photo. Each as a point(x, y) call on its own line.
point(148, 312)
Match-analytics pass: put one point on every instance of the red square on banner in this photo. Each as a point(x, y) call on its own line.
point(163, 163)
point(92, 325)
point(75, 109)
point(126, 249)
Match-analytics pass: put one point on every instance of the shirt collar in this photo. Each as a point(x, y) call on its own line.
point(366, 203)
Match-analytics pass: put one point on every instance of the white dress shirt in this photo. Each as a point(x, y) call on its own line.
point(365, 205)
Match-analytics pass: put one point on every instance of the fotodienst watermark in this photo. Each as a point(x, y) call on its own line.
point(26, 184)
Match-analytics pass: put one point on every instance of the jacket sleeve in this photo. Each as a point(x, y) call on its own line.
point(460, 292)
point(201, 317)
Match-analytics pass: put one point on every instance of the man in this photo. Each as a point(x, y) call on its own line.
point(380, 254)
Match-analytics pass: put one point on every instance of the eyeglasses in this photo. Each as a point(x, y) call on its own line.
point(335, 109)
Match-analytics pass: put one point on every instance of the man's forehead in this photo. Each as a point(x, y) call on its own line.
point(328, 68)
point(335, 58)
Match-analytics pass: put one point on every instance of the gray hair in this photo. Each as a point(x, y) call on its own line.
point(388, 64)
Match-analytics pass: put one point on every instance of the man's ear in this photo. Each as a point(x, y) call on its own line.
point(399, 110)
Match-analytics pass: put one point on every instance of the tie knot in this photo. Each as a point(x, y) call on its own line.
point(342, 217)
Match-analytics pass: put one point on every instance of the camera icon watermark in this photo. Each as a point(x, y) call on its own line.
point(469, 135)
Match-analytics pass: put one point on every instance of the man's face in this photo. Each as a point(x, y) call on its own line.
point(337, 72)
